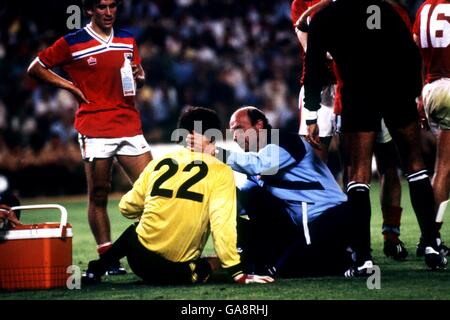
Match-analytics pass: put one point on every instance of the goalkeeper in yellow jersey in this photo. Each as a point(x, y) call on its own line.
point(179, 199)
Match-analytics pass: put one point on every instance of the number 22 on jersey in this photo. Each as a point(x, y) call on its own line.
point(183, 191)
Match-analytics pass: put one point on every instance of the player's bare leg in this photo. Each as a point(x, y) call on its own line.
point(360, 147)
point(390, 196)
point(134, 165)
point(98, 176)
point(421, 193)
point(407, 140)
point(441, 179)
point(385, 155)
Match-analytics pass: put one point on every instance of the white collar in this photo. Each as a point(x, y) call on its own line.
point(98, 37)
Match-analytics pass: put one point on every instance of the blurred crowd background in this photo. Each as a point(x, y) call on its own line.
point(219, 54)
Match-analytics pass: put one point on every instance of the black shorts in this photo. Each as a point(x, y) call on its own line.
point(366, 115)
point(155, 269)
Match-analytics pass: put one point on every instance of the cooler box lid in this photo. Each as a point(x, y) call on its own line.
point(37, 231)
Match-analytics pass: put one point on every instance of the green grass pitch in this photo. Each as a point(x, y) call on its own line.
point(399, 280)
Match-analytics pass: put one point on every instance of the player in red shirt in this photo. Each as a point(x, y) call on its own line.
point(432, 34)
point(104, 66)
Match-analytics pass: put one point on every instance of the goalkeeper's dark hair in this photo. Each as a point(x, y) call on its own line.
point(207, 117)
point(254, 114)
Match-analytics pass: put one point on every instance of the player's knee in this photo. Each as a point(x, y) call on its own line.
point(360, 177)
point(415, 166)
point(99, 194)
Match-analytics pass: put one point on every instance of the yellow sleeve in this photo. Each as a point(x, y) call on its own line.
point(222, 215)
point(132, 203)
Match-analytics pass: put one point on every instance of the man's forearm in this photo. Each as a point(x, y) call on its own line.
point(315, 69)
point(36, 70)
point(268, 160)
point(312, 96)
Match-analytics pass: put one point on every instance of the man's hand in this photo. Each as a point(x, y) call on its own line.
point(199, 143)
point(313, 136)
point(138, 75)
point(7, 214)
point(252, 278)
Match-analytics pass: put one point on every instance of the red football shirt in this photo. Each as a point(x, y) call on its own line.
point(93, 65)
point(298, 7)
point(432, 28)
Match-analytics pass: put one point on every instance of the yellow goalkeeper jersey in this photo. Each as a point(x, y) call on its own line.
point(179, 198)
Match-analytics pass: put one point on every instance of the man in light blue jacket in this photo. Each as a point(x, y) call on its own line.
point(299, 223)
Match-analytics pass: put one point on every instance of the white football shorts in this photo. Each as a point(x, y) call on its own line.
point(103, 148)
point(436, 102)
point(383, 136)
point(325, 115)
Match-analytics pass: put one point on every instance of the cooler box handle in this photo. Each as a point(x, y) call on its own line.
point(63, 223)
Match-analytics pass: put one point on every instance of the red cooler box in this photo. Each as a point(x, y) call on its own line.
point(36, 256)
